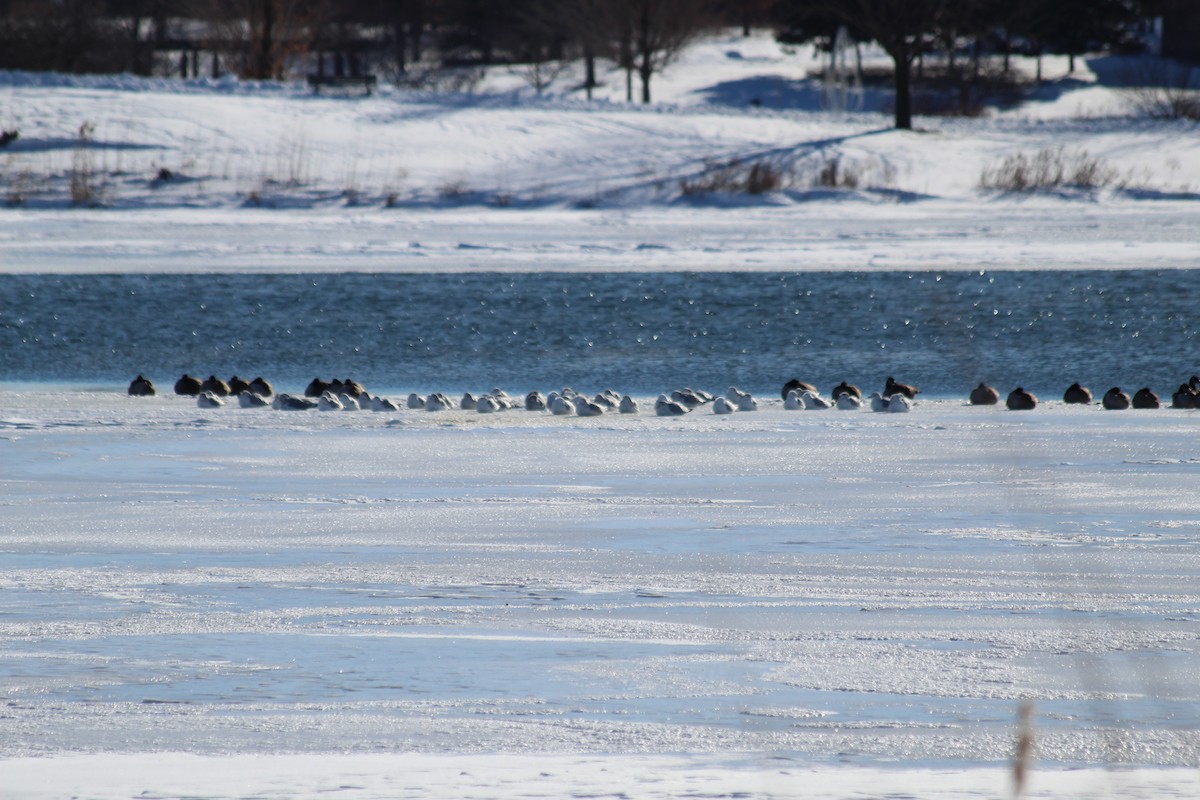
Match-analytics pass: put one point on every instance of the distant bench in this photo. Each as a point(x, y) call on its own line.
point(340, 82)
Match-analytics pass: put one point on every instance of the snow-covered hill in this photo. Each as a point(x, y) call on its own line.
point(770, 168)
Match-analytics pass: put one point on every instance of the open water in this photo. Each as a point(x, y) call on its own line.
point(632, 332)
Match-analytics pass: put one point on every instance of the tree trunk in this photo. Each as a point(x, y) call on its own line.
point(589, 62)
point(400, 47)
point(903, 92)
point(643, 50)
point(133, 64)
point(626, 56)
point(262, 57)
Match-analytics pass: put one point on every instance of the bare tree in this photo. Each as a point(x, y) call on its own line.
point(748, 13)
point(903, 28)
point(652, 33)
point(259, 37)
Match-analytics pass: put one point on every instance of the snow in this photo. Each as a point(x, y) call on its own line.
point(270, 177)
point(483, 777)
point(694, 598)
point(243, 602)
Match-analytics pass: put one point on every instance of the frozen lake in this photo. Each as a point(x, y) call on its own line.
point(250, 604)
point(859, 589)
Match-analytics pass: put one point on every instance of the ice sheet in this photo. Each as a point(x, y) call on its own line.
point(845, 587)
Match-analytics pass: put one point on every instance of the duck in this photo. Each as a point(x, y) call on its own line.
point(384, 404)
point(665, 407)
point(892, 387)
point(814, 402)
point(560, 406)
point(628, 405)
point(237, 386)
point(984, 395)
point(1184, 397)
point(502, 398)
point(142, 387)
point(848, 402)
point(209, 400)
point(187, 385)
point(1021, 400)
point(723, 406)
point(588, 408)
point(878, 402)
point(261, 387)
point(606, 401)
point(796, 385)
point(215, 385)
point(690, 397)
point(316, 387)
point(252, 400)
point(437, 402)
point(1115, 400)
point(846, 388)
point(287, 402)
point(1145, 398)
point(351, 387)
point(1077, 394)
point(734, 395)
point(328, 402)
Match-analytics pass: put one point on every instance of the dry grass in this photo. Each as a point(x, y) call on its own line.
point(453, 189)
point(833, 175)
point(733, 177)
point(1161, 89)
point(1050, 169)
point(85, 190)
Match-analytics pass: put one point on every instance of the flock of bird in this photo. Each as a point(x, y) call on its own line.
point(1186, 396)
point(797, 395)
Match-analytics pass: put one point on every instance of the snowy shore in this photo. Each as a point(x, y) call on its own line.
point(229, 176)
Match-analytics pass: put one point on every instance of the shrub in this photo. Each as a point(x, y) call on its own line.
point(1161, 90)
point(833, 175)
point(763, 178)
point(1048, 169)
point(453, 189)
point(733, 177)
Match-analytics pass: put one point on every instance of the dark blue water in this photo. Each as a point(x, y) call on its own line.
point(639, 333)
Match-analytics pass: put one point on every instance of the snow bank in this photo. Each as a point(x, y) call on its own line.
point(499, 777)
